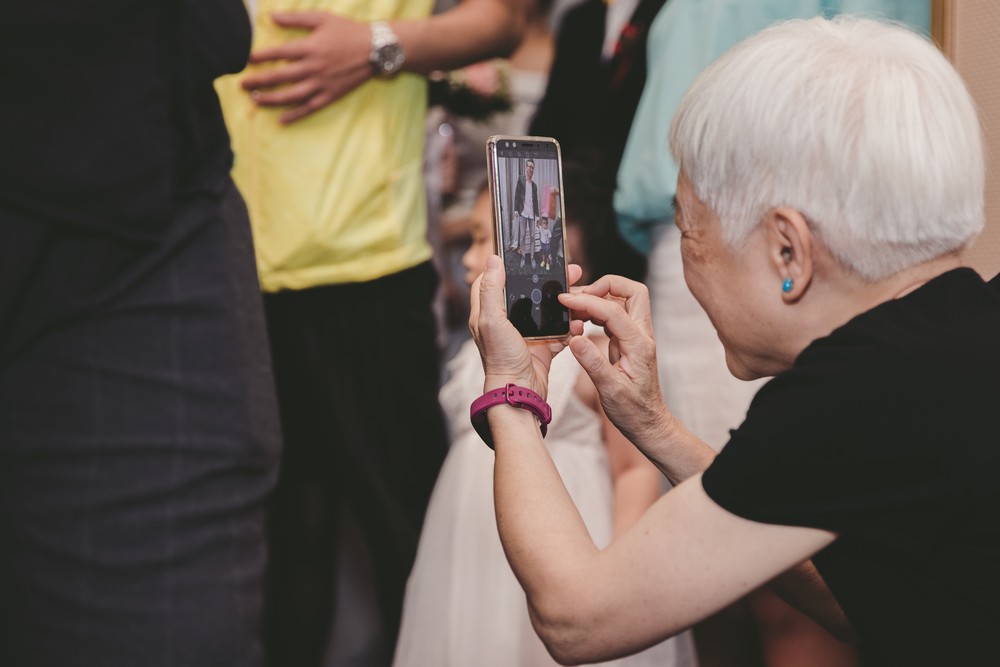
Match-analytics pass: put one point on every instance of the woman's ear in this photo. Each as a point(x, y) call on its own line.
point(790, 248)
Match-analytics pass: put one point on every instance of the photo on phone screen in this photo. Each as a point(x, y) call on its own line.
point(526, 186)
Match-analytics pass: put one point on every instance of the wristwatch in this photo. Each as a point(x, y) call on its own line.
point(511, 394)
point(386, 55)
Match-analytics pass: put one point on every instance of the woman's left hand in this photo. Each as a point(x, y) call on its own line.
point(507, 357)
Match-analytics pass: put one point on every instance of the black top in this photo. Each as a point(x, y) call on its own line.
point(109, 127)
point(886, 433)
point(109, 110)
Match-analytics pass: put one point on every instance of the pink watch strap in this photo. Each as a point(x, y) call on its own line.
point(514, 395)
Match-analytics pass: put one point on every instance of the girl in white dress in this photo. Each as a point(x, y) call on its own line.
point(463, 606)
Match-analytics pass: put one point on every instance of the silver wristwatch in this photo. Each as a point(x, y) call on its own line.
point(386, 55)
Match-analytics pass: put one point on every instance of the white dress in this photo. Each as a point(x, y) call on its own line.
point(463, 606)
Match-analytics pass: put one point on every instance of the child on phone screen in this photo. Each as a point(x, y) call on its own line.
point(463, 605)
point(545, 240)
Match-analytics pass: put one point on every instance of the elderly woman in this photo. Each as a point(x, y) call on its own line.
point(831, 175)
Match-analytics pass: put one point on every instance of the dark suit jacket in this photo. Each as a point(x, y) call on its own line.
point(589, 103)
point(519, 196)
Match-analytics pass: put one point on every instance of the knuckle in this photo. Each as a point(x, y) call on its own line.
point(594, 363)
point(615, 393)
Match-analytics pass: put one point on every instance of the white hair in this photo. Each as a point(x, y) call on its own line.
point(861, 125)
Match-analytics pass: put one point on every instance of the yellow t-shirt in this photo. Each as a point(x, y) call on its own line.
point(338, 196)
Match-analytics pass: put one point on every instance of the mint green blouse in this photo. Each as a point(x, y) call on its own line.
point(685, 37)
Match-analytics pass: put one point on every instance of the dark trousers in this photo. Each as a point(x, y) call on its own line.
point(526, 235)
point(138, 442)
point(356, 368)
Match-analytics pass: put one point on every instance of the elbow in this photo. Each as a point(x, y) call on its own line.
point(578, 628)
point(564, 628)
point(560, 639)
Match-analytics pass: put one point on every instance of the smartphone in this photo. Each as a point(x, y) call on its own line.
point(526, 190)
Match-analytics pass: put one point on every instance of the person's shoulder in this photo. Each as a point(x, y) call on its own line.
point(952, 316)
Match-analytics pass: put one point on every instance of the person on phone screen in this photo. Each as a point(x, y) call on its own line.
point(545, 242)
point(463, 605)
point(525, 210)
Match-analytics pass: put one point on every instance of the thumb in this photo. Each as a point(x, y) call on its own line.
point(298, 19)
point(491, 287)
point(593, 361)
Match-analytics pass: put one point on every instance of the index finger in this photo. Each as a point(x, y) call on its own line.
point(617, 286)
point(305, 20)
point(616, 320)
point(574, 272)
point(635, 296)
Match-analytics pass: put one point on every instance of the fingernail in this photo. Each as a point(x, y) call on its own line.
point(492, 262)
point(254, 95)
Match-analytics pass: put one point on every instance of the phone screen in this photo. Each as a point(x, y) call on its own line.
point(528, 208)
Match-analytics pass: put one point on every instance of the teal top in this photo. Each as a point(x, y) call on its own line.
point(685, 37)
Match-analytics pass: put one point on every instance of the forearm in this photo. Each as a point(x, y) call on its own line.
point(677, 452)
point(636, 489)
point(543, 535)
point(474, 30)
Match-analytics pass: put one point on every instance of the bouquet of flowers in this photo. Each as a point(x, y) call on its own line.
point(478, 91)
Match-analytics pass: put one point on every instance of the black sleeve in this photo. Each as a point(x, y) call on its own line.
point(573, 79)
point(836, 444)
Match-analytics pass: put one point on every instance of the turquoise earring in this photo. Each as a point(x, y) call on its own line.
point(786, 286)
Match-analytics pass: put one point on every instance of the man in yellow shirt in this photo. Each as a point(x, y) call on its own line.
point(327, 126)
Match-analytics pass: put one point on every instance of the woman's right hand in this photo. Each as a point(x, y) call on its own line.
point(627, 377)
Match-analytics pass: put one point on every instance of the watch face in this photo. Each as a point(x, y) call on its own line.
point(390, 58)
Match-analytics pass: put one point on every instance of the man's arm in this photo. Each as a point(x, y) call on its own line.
point(332, 59)
point(474, 30)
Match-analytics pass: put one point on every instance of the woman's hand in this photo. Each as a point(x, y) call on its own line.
point(626, 378)
point(507, 357)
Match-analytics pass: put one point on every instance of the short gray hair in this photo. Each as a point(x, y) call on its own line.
point(861, 125)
